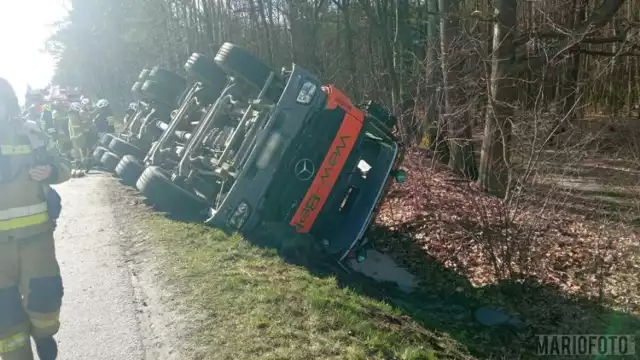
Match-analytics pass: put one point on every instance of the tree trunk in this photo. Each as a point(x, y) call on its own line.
point(267, 32)
point(461, 159)
point(435, 130)
point(570, 85)
point(349, 34)
point(494, 162)
point(380, 24)
point(403, 64)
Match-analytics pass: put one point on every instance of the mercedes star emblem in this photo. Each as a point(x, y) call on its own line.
point(304, 169)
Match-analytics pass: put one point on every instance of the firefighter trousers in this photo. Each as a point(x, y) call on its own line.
point(79, 150)
point(79, 156)
point(30, 294)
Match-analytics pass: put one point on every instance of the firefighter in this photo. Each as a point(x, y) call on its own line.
point(103, 118)
point(79, 132)
point(30, 284)
point(86, 104)
point(61, 124)
point(46, 120)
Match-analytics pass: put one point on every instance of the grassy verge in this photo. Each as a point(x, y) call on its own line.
point(253, 305)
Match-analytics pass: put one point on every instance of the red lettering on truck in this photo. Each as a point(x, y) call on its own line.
point(329, 172)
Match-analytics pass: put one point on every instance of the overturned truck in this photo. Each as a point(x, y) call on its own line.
point(157, 92)
point(249, 146)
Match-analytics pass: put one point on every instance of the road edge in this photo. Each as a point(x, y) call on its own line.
point(161, 320)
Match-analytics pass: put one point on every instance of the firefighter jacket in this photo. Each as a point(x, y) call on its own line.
point(23, 202)
point(79, 129)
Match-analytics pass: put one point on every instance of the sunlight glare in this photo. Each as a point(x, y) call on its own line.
point(25, 25)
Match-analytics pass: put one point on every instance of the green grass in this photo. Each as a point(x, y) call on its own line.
point(253, 305)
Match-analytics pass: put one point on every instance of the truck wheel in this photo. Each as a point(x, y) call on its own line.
point(167, 196)
point(105, 140)
point(208, 72)
point(98, 152)
point(129, 169)
point(160, 93)
point(144, 75)
point(167, 78)
point(136, 90)
point(110, 160)
point(239, 62)
point(123, 148)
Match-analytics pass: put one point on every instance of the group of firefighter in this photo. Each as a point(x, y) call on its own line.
point(73, 122)
point(37, 147)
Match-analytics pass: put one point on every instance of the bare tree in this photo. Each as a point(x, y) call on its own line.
point(455, 115)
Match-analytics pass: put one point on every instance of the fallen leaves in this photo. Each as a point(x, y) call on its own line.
point(479, 237)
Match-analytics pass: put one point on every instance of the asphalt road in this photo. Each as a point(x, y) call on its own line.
point(100, 317)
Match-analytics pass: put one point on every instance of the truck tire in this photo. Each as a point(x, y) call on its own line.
point(167, 78)
point(206, 70)
point(136, 90)
point(129, 170)
point(98, 152)
point(110, 160)
point(144, 75)
point(105, 140)
point(239, 62)
point(122, 148)
point(166, 196)
point(158, 92)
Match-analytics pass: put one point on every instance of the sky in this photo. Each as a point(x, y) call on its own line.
point(25, 25)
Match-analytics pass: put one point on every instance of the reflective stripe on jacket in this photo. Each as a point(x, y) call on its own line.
point(20, 217)
point(13, 342)
point(15, 149)
point(23, 206)
point(23, 211)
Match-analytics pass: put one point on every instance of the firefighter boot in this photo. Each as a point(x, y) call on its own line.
point(88, 164)
point(47, 348)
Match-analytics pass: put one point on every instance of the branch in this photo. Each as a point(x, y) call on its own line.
point(599, 17)
point(522, 40)
point(604, 40)
point(607, 53)
point(477, 14)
